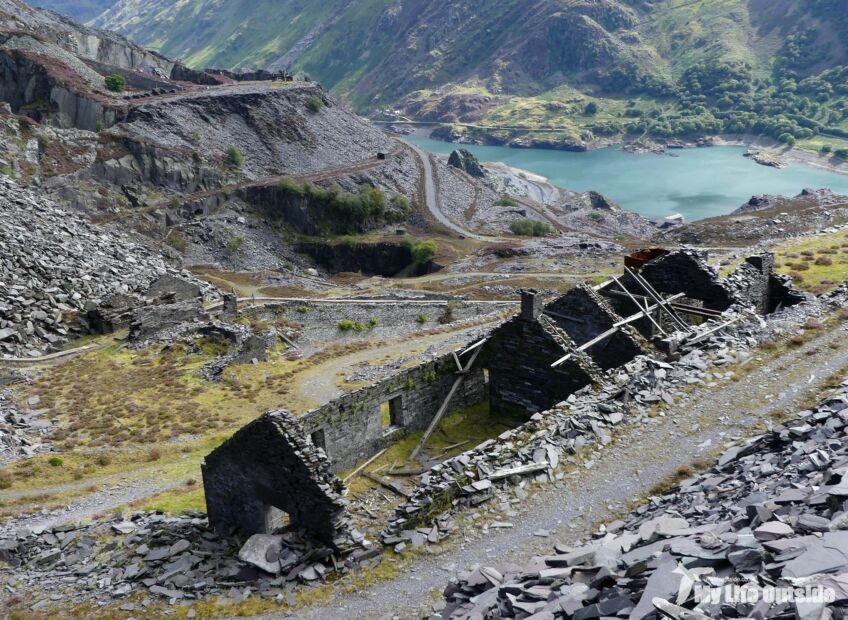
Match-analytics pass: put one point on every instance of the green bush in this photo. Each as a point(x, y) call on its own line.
point(347, 325)
point(594, 215)
point(424, 251)
point(302, 309)
point(315, 104)
point(116, 83)
point(422, 318)
point(506, 201)
point(55, 461)
point(841, 153)
point(401, 202)
point(531, 228)
point(234, 246)
point(591, 109)
point(373, 322)
point(5, 482)
point(235, 156)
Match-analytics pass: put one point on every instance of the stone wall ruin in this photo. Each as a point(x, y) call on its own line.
point(270, 467)
point(530, 364)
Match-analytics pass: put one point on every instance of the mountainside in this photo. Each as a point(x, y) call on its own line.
point(81, 10)
point(538, 65)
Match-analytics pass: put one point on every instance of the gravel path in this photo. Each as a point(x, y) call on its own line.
point(639, 458)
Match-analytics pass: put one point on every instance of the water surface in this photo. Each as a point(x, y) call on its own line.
point(696, 183)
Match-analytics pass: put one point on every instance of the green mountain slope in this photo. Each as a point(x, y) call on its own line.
point(80, 10)
point(660, 67)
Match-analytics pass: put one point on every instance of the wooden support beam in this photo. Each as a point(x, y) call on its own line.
point(714, 330)
point(387, 484)
point(446, 404)
point(475, 345)
point(564, 317)
point(646, 312)
point(646, 286)
point(517, 471)
point(359, 469)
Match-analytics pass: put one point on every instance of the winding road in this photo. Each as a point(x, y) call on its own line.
point(431, 198)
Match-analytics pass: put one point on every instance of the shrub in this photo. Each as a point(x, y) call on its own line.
point(787, 138)
point(401, 202)
point(594, 215)
point(55, 461)
point(422, 318)
point(116, 83)
point(841, 153)
point(302, 309)
point(506, 201)
point(234, 246)
point(825, 261)
point(235, 156)
point(154, 454)
point(373, 322)
point(177, 241)
point(347, 325)
point(315, 104)
point(98, 126)
point(424, 251)
point(103, 460)
point(5, 481)
point(591, 109)
point(531, 228)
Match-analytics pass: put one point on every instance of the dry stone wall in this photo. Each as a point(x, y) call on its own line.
point(352, 428)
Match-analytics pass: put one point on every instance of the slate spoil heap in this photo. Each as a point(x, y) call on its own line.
point(53, 265)
point(180, 559)
point(772, 513)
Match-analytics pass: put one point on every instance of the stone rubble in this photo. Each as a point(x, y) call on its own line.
point(180, 559)
point(771, 513)
point(21, 432)
point(54, 266)
point(585, 420)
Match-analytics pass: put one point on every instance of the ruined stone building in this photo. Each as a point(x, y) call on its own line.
point(526, 365)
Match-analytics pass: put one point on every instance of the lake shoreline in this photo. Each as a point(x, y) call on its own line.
point(789, 154)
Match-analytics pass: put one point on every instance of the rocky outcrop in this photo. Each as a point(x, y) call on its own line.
point(465, 161)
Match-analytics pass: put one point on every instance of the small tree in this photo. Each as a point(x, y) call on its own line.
point(787, 139)
point(424, 252)
point(591, 109)
point(235, 156)
point(116, 83)
point(315, 104)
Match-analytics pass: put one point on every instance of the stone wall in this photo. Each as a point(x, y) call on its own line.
point(519, 355)
point(686, 271)
point(584, 315)
point(269, 466)
point(351, 428)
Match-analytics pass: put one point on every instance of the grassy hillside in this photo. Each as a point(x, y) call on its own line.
point(666, 68)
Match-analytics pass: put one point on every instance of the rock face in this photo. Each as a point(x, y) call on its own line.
point(769, 514)
point(53, 264)
point(465, 161)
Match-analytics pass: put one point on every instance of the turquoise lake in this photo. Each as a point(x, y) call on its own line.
point(698, 182)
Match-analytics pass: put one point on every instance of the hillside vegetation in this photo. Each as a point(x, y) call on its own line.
point(588, 68)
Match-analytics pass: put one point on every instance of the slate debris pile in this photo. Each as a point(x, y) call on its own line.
point(771, 513)
point(585, 420)
point(20, 431)
point(53, 264)
point(180, 559)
